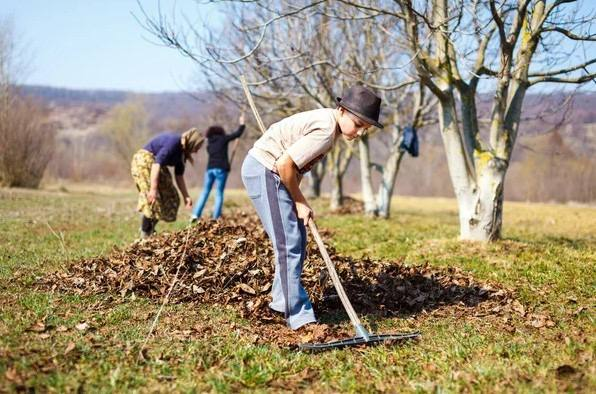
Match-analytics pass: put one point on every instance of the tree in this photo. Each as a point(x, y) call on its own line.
point(507, 46)
point(314, 178)
point(515, 31)
point(457, 48)
point(126, 125)
point(297, 57)
point(26, 137)
point(406, 112)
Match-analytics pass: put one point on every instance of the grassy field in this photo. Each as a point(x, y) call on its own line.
point(52, 341)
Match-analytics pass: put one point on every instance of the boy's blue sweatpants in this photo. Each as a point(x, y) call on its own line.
point(275, 208)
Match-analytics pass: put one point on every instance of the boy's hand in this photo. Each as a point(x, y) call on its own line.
point(241, 118)
point(304, 212)
point(188, 202)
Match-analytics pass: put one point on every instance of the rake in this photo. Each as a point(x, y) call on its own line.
point(362, 337)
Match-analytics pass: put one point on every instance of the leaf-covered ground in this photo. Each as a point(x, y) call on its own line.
point(78, 296)
point(230, 262)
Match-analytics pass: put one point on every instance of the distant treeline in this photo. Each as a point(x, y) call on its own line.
point(554, 160)
point(159, 105)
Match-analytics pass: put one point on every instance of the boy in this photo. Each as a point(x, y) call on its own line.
point(271, 173)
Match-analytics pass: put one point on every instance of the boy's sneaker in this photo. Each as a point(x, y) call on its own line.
point(193, 219)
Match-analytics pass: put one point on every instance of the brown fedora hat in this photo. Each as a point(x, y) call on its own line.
point(363, 103)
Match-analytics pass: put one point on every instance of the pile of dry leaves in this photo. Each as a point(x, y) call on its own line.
point(349, 205)
point(231, 262)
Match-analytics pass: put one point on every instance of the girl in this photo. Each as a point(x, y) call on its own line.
point(218, 167)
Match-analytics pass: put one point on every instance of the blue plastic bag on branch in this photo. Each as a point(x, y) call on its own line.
point(409, 141)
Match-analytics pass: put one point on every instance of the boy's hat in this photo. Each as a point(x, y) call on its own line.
point(363, 103)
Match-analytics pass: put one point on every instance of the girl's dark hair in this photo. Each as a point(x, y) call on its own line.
point(214, 130)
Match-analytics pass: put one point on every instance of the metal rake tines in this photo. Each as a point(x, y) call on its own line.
point(356, 341)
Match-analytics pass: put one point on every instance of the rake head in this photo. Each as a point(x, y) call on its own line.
point(358, 341)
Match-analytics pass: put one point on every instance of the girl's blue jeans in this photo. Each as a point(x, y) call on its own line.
point(219, 177)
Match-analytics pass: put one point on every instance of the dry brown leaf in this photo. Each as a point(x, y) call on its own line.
point(69, 348)
point(579, 310)
point(518, 307)
point(247, 289)
point(306, 337)
point(37, 327)
point(11, 374)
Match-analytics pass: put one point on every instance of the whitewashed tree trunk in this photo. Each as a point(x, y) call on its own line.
point(387, 185)
point(477, 181)
point(337, 194)
point(481, 207)
point(368, 195)
point(483, 218)
point(315, 179)
point(338, 160)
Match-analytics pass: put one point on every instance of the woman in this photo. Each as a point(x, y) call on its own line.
point(158, 198)
point(218, 168)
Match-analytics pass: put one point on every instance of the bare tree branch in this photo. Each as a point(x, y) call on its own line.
point(562, 70)
point(582, 79)
point(570, 34)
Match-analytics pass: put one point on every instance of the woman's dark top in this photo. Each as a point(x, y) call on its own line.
point(167, 150)
point(217, 147)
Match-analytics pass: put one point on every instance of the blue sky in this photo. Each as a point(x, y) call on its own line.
point(97, 44)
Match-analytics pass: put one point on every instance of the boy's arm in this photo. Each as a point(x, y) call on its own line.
point(288, 173)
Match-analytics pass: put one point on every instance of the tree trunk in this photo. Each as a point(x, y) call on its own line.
point(315, 179)
point(337, 194)
point(368, 195)
point(388, 182)
point(313, 186)
point(481, 211)
point(338, 160)
point(478, 184)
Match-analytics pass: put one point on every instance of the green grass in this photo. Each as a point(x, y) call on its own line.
point(547, 258)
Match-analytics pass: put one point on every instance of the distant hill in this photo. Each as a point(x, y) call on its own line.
point(160, 105)
point(172, 103)
point(67, 97)
point(548, 140)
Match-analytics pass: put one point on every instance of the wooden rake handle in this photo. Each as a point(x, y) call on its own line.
point(333, 273)
point(254, 111)
point(252, 103)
